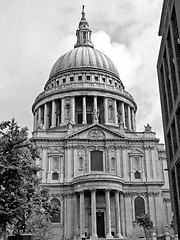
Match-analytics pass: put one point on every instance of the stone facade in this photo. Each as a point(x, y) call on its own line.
point(100, 170)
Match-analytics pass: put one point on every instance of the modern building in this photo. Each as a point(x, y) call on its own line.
point(168, 67)
point(100, 170)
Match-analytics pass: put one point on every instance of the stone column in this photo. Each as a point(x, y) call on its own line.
point(93, 214)
point(117, 211)
point(133, 120)
point(122, 208)
point(95, 103)
point(39, 116)
point(129, 118)
point(36, 119)
point(105, 111)
point(82, 219)
point(84, 110)
point(53, 124)
point(115, 113)
point(73, 109)
point(45, 116)
point(108, 214)
point(34, 123)
point(123, 114)
point(75, 214)
point(62, 111)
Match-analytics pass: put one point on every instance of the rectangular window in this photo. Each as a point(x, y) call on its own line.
point(170, 146)
point(54, 163)
point(172, 66)
point(168, 83)
point(178, 121)
point(174, 136)
point(80, 118)
point(176, 38)
point(71, 79)
point(96, 78)
point(96, 161)
point(175, 195)
point(89, 118)
point(64, 80)
point(164, 95)
point(79, 78)
point(88, 78)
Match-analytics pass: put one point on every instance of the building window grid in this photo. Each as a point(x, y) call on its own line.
point(175, 35)
point(170, 150)
point(176, 195)
point(168, 84)
point(164, 93)
point(174, 136)
point(171, 65)
point(178, 123)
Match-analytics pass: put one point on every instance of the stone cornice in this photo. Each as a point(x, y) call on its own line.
point(92, 89)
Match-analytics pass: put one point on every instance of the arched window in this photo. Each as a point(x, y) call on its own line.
point(56, 217)
point(139, 206)
point(55, 176)
point(137, 175)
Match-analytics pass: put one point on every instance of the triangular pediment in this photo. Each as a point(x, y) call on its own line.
point(96, 131)
point(136, 152)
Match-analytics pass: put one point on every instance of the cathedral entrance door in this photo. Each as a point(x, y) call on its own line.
point(100, 224)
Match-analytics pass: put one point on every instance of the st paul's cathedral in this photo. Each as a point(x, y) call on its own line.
point(99, 169)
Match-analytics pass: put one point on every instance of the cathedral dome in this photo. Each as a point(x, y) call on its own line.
point(83, 57)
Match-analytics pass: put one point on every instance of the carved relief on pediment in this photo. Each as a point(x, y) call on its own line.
point(55, 149)
point(96, 133)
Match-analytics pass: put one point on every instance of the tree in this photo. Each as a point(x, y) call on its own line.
point(21, 196)
point(144, 220)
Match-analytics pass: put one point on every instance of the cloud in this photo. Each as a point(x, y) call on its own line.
point(34, 34)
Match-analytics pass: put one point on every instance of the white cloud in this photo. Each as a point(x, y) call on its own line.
point(35, 33)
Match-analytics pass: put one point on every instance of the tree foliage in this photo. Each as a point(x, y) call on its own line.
point(144, 220)
point(21, 196)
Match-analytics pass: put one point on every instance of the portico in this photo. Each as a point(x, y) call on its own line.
point(95, 213)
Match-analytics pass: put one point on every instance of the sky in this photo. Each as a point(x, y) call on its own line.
point(35, 33)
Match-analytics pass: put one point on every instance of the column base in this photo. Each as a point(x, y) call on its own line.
point(108, 235)
point(82, 236)
point(94, 236)
point(119, 236)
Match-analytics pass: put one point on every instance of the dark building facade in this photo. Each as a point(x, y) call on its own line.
point(168, 67)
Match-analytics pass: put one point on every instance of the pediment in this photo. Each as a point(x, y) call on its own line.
point(136, 152)
point(55, 150)
point(96, 131)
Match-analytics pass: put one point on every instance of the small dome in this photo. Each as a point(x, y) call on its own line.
point(83, 57)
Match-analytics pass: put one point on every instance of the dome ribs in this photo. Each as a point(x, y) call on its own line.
point(83, 57)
